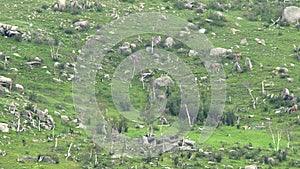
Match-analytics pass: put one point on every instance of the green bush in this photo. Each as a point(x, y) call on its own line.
point(179, 4)
point(69, 31)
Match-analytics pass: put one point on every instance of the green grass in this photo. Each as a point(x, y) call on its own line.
point(56, 96)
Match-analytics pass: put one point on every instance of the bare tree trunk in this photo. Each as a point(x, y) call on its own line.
point(276, 144)
point(278, 140)
point(188, 114)
point(273, 138)
point(263, 87)
point(18, 128)
point(55, 145)
point(53, 130)
point(253, 100)
point(96, 160)
point(91, 155)
point(289, 140)
point(69, 154)
point(39, 125)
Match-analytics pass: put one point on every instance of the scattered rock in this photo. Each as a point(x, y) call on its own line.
point(248, 63)
point(139, 126)
point(106, 77)
point(244, 42)
point(237, 67)
point(202, 31)
point(65, 118)
point(33, 64)
point(4, 81)
point(81, 126)
point(192, 53)
point(260, 41)
point(81, 24)
point(4, 127)
point(169, 42)
point(163, 81)
point(46, 159)
point(233, 30)
point(190, 143)
point(27, 158)
point(220, 52)
point(251, 167)
point(291, 14)
point(290, 80)
point(20, 88)
point(125, 49)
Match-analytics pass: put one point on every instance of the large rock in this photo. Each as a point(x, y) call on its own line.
point(219, 52)
point(83, 24)
point(291, 14)
point(251, 167)
point(62, 4)
point(125, 49)
point(163, 81)
point(4, 127)
point(169, 42)
point(6, 81)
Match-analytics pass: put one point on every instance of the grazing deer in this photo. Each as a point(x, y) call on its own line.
point(246, 127)
point(237, 57)
point(293, 109)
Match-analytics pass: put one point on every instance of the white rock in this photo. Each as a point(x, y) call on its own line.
point(169, 42)
point(65, 118)
point(192, 53)
point(19, 87)
point(202, 30)
point(4, 127)
point(244, 42)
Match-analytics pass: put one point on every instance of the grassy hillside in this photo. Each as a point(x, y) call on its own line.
point(53, 40)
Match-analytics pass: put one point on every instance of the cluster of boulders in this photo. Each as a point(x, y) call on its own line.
point(40, 158)
point(126, 48)
point(63, 4)
point(9, 30)
point(6, 85)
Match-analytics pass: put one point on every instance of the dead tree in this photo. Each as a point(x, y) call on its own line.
point(254, 101)
point(69, 151)
point(54, 52)
point(276, 143)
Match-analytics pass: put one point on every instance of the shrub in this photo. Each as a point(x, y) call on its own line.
point(18, 38)
point(45, 6)
point(218, 157)
point(32, 96)
point(39, 10)
point(38, 40)
point(179, 4)
point(250, 16)
point(69, 31)
point(216, 6)
point(129, 1)
point(75, 11)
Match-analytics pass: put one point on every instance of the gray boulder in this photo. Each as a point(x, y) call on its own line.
point(163, 81)
point(291, 14)
point(169, 42)
point(125, 49)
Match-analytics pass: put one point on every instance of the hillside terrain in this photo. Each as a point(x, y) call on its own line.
point(149, 84)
